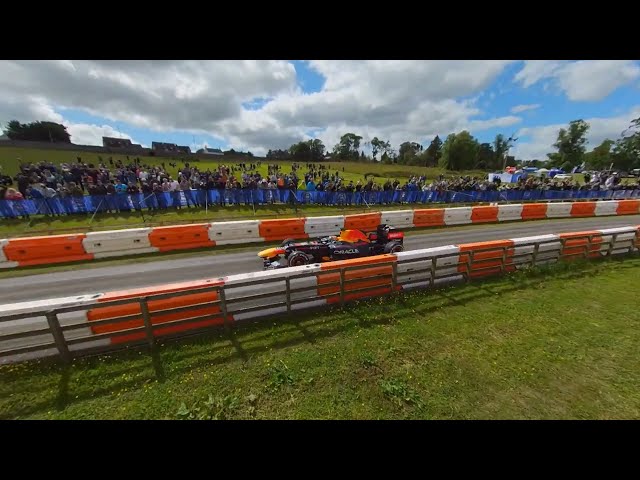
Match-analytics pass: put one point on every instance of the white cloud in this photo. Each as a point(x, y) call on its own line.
point(524, 108)
point(585, 80)
point(86, 134)
point(395, 100)
point(543, 137)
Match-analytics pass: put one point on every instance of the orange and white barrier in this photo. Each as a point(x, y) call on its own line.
point(22, 252)
point(88, 321)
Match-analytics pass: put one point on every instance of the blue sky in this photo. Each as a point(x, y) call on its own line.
point(271, 104)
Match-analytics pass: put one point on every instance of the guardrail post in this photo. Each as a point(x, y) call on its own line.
point(534, 259)
point(287, 282)
point(503, 259)
point(58, 336)
point(434, 264)
point(342, 286)
point(223, 306)
point(588, 249)
point(612, 242)
point(469, 263)
point(148, 326)
point(394, 276)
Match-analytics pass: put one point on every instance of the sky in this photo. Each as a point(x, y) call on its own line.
point(267, 104)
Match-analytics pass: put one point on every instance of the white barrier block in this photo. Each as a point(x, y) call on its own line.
point(40, 322)
point(457, 215)
point(115, 243)
point(323, 226)
point(237, 296)
point(559, 210)
point(509, 212)
point(398, 218)
point(124, 253)
point(242, 231)
point(625, 240)
point(608, 207)
point(4, 263)
point(549, 247)
point(3, 257)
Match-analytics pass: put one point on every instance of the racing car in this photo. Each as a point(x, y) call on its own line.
point(349, 244)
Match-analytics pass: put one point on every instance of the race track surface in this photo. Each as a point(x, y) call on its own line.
point(135, 275)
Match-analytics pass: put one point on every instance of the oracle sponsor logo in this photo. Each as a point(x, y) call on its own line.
point(346, 252)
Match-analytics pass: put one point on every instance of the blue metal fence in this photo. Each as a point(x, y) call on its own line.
point(125, 202)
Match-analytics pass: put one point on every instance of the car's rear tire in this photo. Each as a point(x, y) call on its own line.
point(286, 242)
point(297, 259)
point(394, 248)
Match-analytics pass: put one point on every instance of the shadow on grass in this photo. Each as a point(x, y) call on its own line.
point(246, 340)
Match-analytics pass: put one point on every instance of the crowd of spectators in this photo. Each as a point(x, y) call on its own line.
point(45, 180)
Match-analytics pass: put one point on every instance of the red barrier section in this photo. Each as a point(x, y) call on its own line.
point(574, 248)
point(183, 237)
point(484, 214)
point(377, 277)
point(272, 230)
point(157, 305)
point(45, 250)
point(534, 211)
point(583, 209)
point(486, 259)
point(428, 217)
point(628, 207)
point(365, 221)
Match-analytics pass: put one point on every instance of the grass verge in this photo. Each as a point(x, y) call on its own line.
point(552, 343)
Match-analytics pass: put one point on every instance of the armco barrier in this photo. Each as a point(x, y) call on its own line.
point(69, 248)
point(96, 323)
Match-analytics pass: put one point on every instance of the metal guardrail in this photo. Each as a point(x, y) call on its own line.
point(506, 255)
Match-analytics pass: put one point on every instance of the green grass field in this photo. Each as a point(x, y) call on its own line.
point(554, 344)
point(10, 160)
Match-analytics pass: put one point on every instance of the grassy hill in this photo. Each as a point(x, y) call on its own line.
point(10, 158)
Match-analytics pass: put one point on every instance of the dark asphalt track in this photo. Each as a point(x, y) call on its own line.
point(104, 279)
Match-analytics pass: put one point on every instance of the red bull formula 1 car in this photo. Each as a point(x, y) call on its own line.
point(349, 244)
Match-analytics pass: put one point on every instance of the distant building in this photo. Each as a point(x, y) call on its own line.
point(120, 143)
point(210, 151)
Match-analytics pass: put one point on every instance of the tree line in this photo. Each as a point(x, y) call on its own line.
point(459, 151)
point(462, 151)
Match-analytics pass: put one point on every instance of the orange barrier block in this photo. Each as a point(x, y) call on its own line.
point(428, 217)
point(487, 258)
point(576, 244)
point(628, 207)
point(376, 280)
point(183, 237)
point(46, 250)
point(583, 209)
point(272, 230)
point(484, 214)
point(103, 313)
point(534, 211)
point(364, 221)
